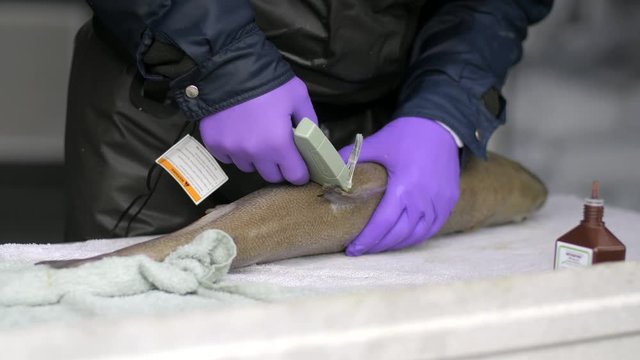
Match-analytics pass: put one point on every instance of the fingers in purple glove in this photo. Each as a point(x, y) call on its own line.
point(291, 164)
point(418, 235)
point(269, 171)
point(303, 108)
point(243, 164)
point(430, 220)
point(398, 232)
point(385, 217)
point(439, 221)
point(219, 153)
point(404, 228)
point(293, 167)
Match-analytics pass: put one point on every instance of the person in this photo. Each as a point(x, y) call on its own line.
point(421, 79)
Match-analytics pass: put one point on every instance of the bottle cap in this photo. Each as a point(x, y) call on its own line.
point(595, 199)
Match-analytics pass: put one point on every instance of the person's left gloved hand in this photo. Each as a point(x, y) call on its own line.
point(423, 186)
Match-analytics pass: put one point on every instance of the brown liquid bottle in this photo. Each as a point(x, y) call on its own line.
point(590, 242)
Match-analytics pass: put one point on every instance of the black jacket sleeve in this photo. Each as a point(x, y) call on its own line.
point(229, 59)
point(459, 63)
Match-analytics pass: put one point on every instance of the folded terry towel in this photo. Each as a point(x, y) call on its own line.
point(190, 277)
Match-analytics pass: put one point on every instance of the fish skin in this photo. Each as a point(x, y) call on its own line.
point(285, 221)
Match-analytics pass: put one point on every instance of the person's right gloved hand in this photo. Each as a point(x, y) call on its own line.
point(257, 135)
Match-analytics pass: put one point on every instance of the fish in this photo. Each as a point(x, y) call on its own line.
point(286, 221)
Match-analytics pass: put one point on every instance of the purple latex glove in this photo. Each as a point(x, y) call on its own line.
point(257, 135)
point(423, 187)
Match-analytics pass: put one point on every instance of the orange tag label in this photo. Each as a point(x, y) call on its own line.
point(194, 168)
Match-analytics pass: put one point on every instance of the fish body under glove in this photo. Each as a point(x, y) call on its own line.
point(285, 221)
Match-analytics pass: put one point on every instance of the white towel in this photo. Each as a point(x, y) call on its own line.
point(190, 277)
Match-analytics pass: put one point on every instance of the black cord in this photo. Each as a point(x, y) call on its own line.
point(150, 192)
point(151, 188)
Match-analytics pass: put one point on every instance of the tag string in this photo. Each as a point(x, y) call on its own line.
point(151, 186)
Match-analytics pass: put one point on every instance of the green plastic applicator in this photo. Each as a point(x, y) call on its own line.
point(325, 164)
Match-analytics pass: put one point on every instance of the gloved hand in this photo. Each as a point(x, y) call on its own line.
point(423, 186)
point(258, 135)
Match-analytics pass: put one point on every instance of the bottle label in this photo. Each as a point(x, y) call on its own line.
point(193, 167)
point(572, 256)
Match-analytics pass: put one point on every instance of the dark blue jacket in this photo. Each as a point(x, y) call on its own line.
point(458, 63)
